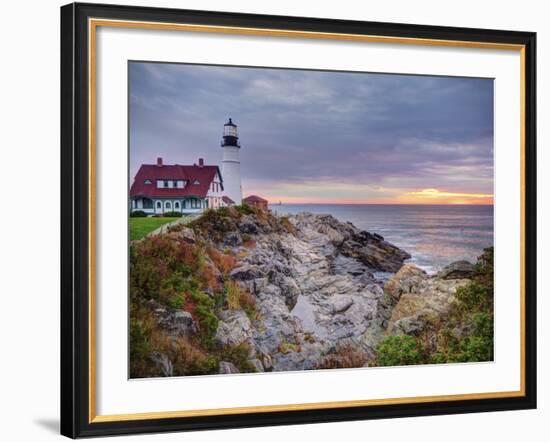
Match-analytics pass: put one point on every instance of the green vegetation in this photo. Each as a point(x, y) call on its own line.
point(399, 350)
point(138, 214)
point(172, 214)
point(465, 335)
point(170, 273)
point(141, 227)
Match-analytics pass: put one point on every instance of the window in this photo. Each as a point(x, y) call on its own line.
point(168, 205)
point(196, 182)
point(159, 205)
point(147, 203)
point(147, 181)
point(165, 183)
point(177, 205)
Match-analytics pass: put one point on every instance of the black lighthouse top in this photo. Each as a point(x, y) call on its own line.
point(230, 135)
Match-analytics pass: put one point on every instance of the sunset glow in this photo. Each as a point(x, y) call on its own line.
point(320, 137)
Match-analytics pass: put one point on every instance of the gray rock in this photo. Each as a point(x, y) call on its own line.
point(176, 322)
point(185, 233)
point(227, 368)
point(233, 239)
point(340, 303)
point(417, 299)
point(247, 272)
point(457, 270)
point(411, 325)
point(234, 329)
point(257, 365)
point(162, 362)
point(248, 227)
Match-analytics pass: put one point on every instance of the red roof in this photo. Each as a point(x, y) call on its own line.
point(254, 199)
point(198, 180)
point(227, 200)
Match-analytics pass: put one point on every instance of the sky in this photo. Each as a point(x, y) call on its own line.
point(321, 136)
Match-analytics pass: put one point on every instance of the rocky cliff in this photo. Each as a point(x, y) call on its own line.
point(296, 293)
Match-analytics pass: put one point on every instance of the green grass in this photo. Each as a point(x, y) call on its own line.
point(140, 227)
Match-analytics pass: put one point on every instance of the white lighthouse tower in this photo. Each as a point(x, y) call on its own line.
point(231, 164)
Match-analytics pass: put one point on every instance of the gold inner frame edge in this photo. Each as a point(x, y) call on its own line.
point(93, 24)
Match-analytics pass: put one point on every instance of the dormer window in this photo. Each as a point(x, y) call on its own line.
point(165, 184)
point(196, 182)
point(147, 182)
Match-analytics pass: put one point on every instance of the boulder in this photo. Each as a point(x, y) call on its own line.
point(176, 322)
point(247, 226)
point(227, 368)
point(406, 280)
point(162, 362)
point(233, 239)
point(340, 303)
point(247, 272)
point(457, 270)
point(185, 233)
point(234, 329)
point(418, 299)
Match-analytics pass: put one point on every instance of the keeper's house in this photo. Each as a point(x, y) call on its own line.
point(160, 188)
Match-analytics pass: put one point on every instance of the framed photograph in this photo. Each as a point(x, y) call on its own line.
point(274, 220)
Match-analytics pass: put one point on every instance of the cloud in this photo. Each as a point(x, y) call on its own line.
point(321, 128)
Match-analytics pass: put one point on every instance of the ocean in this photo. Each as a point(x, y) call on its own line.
point(434, 235)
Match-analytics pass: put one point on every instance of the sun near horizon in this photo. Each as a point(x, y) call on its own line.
point(429, 196)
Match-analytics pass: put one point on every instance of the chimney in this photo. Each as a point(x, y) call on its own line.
point(159, 162)
point(201, 162)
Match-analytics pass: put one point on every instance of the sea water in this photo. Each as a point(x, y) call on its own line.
point(434, 235)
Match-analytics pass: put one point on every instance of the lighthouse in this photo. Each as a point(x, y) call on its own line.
point(231, 164)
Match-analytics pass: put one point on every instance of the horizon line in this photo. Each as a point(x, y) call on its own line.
point(377, 204)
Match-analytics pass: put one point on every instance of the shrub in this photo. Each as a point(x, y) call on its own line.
point(172, 214)
point(177, 301)
point(345, 356)
point(232, 295)
point(208, 321)
point(288, 347)
point(239, 356)
point(245, 209)
point(225, 262)
point(161, 268)
point(287, 225)
point(214, 224)
point(473, 297)
point(138, 214)
point(188, 359)
point(399, 350)
point(239, 298)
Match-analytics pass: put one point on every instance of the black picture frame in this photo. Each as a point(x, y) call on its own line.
point(75, 220)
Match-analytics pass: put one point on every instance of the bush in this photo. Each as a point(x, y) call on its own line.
point(239, 298)
point(208, 321)
point(345, 356)
point(214, 224)
point(138, 214)
point(161, 268)
point(473, 297)
point(287, 225)
point(239, 356)
point(172, 214)
point(188, 359)
point(225, 262)
point(245, 209)
point(399, 350)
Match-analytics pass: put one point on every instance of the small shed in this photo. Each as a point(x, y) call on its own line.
point(256, 201)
